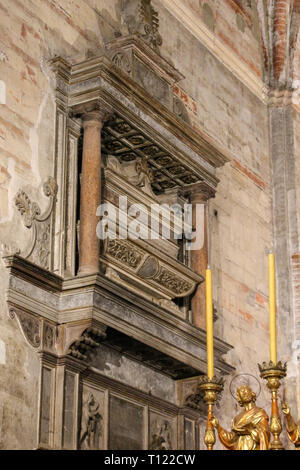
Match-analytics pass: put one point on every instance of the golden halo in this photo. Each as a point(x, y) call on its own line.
point(248, 381)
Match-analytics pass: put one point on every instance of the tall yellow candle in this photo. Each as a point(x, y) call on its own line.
point(272, 309)
point(209, 326)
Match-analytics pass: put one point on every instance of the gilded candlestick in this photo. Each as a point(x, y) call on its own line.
point(211, 387)
point(273, 373)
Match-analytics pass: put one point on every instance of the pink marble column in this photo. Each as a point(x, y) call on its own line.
point(90, 196)
point(199, 194)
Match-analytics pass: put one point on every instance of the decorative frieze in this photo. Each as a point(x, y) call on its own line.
point(143, 266)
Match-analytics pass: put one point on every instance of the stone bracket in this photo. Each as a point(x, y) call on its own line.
point(76, 340)
point(40, 334)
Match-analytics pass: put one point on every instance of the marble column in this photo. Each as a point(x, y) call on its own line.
point(200, 193)
point(90, 196)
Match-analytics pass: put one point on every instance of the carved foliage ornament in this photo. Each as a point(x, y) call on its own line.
point(39, 249)
point(149, 24)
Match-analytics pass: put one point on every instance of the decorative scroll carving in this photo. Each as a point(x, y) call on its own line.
point(91, 425)
point(90, 340)
point(124, 252)
point(147, 267)
point(151, 269)
point(39, 334)
point(30, 326)
point(142, 20)
point(155, 166)
point(173, 282)
point(39, 249)
point(149, 24)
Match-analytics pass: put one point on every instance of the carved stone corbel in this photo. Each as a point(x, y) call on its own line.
point(195, 401)
point(80, 340)
point(90, 340)
point(29, 324)
point(40, 334)
point(39, 248)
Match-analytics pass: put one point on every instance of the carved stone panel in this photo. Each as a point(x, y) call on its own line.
point(45, 429)
point(92, 419)
point(126, 425)
point(189, 434)
point(40, 224)
point(69, 412)
point(152, 83)
point(161, 433)
point(139, 264)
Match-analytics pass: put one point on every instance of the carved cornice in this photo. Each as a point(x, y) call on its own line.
point(99, 78)
point(74, 305)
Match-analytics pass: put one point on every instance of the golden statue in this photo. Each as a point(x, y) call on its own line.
point(291, 427)
point(250, 428)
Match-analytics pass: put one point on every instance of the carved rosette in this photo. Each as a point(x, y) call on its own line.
point(120, 60)
point(40, 224)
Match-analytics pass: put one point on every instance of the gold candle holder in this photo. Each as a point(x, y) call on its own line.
point(211, 388)
point(273, 374)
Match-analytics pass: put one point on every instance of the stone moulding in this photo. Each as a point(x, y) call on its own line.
point(67, 317)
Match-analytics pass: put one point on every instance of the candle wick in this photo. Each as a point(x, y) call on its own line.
point(208, 267)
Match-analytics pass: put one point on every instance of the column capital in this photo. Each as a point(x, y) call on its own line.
point(200, 192)
point(94, 114)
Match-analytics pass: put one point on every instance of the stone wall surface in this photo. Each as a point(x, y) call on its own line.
point(34, 31)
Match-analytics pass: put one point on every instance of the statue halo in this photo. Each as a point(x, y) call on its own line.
point(256, 389)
